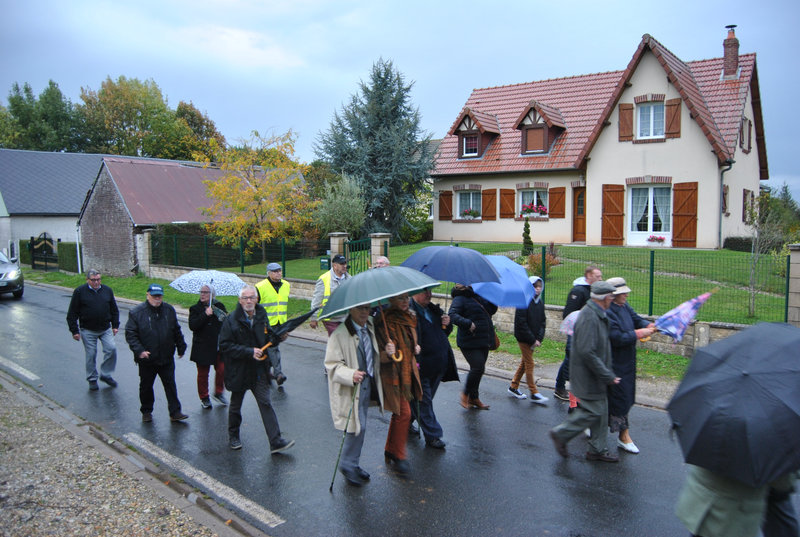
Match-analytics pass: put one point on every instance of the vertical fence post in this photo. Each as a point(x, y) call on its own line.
point(652, 274)
point(205, 249)
point(175, 250)
point(544, 267)
point(386, 248)
point(788, 277)
point(283, 254)
point(241, 253)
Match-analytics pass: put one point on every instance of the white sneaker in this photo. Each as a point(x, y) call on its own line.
point(630, 447)
point(513, 392)
point(539, 398)
point(587, 432)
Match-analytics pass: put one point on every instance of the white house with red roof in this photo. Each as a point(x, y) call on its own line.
point(664, 148)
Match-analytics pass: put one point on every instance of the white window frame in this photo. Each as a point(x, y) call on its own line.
point(639, 238)
point(473, 195)
point(539, 195)
point(650, 121)
point(464, 138)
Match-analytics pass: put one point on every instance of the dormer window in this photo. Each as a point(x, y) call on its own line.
point(534, 139)
point(539, 125)
point(475, 131)
point(470, 145)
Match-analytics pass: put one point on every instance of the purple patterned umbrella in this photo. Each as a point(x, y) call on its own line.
point(675, 321)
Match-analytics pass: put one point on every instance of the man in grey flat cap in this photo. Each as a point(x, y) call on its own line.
point(590, 374)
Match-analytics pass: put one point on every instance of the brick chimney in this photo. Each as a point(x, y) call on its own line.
point(731, 60)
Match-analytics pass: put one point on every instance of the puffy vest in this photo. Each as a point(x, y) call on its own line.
point(276, 303)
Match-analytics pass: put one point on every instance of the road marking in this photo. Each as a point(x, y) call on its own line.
point(19, 369)
point(205, 481)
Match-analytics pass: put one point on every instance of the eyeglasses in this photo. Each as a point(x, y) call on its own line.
point(205, 292)
point(248, 298)
point(95, 279)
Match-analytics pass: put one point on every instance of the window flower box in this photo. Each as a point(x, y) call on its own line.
point(469, 214)
point(533, 210)
point(657, 239)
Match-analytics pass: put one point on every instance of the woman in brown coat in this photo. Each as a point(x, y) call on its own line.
point(396, 330)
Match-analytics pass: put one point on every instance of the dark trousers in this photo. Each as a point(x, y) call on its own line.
point(476, 358)
point(202, 378)
point(780, 519)
point(268, 417)
point(426, 417)
point(147, 377)
point(563, 372)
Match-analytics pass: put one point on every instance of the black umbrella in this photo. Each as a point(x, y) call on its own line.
point(737, 410)
point(274, 335)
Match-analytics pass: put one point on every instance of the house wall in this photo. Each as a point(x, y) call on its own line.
point(743, 174)
point(557, 230)
point(15, 228)
point(107, 231)
point(685, 159)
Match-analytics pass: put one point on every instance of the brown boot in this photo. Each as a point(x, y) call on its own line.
point(476, 403)
point(464, 400)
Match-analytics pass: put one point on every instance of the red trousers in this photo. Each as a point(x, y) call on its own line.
point(202, 378)
point(398, 432)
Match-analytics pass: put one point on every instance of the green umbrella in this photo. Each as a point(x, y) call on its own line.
point(376, 285)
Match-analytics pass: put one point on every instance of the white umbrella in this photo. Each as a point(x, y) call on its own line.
point(224, 283)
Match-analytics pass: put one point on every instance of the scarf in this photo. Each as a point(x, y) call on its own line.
point(402, 327)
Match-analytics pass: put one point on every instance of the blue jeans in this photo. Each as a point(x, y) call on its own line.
point(426, 417)
point(109, 363)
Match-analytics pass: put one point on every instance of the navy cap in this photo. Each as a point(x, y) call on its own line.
point(155, 289)
point(340, 259)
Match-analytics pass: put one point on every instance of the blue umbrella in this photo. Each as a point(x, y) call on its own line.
point(514, 289)
point(453, 264)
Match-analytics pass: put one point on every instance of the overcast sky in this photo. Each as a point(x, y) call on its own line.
point(275, 65)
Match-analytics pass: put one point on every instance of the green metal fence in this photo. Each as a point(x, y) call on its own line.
point(660, 279)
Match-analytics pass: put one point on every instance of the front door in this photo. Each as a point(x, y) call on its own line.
point(579, 214)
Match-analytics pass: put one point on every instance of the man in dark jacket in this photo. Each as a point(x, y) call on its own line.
point(153, 334)
point(590, 375)
point(93, 315)
point(244, 334)
point(529, 329)
point(436, 363)
point(576, 299)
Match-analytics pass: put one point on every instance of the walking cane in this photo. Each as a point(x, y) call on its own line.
point(344, 434)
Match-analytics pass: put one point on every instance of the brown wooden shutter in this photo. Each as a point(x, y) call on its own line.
point(625, 122)
point(613, 215)
point(489, 204)
point(445, 205)
point(672, 110)
point(684, 215)
point(557, 201)
point(508, 203)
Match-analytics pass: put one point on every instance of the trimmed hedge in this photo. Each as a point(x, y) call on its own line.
point(67, 257)
point(24, 252)
point(738, 244)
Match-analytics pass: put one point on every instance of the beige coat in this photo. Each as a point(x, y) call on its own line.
point(341, 361)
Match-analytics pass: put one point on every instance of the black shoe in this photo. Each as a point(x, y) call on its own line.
point(147, 417)
point(220, 398)
point(234, 442)
point(205, 402)
point(281, 444)
point(179, 416)
point(280, 379)
point(401, 466)
point(363, 474)
point(110, 381)
point(413, 429)
point(605, 456)
point(561, 446)
point(562, 394)
point(352, 477)
point(93, 385)
point(436, 443)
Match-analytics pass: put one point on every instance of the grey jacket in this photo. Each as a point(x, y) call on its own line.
point(590, 370)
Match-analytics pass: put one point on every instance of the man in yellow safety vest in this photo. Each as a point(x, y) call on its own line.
point(326, 284)
point(273, 295)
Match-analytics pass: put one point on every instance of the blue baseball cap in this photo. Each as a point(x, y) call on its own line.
point(155, 289)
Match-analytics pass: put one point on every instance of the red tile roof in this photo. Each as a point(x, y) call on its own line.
point(161, 192)
point(485, 122)
point(584, 104)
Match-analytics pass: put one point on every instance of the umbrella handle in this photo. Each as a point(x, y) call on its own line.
point(398, 356)
point(263, 349)
point(645, 339)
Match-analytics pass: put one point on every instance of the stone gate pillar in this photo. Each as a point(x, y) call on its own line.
point(376, 246)
point(794, 284)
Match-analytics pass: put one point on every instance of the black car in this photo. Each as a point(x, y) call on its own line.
point(11, 280)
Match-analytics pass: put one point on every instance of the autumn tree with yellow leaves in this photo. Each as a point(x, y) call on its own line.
point(261, 196)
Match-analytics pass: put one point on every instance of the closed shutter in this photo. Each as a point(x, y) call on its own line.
point(489, 204)
point(625, 122)
point(673, 112)
point(445, 205)
point(613, 215)
point(557, 197)
point(684, 215)
point(508, 203)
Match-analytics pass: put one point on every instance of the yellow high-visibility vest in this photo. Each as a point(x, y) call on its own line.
point(275, 302)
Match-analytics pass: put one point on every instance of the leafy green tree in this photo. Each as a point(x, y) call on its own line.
point(319, 176)
point(8, 129)
point(378, 140)
point(261, 195)
point(46, 123)
point(342, 207)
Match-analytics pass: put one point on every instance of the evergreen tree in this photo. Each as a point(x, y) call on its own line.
point(378, 140)
point(527, 243)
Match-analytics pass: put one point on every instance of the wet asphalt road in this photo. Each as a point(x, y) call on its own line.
point(499, 475)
